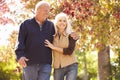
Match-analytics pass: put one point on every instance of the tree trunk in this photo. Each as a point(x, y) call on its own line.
point(85, 68)
point(104, 67)
point(117, 67)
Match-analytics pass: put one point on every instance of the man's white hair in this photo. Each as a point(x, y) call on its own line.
point(41, 3)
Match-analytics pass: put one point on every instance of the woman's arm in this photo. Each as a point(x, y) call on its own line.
point(50, 45)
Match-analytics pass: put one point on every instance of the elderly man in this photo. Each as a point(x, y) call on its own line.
point(31, 52)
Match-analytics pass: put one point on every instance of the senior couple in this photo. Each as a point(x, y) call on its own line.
point(42, 43)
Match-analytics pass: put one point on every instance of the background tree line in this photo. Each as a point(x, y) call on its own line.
point(97, 23)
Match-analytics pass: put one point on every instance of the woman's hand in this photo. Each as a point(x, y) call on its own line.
point(48, 44)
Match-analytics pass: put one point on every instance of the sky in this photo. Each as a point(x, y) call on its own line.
point(5, 31)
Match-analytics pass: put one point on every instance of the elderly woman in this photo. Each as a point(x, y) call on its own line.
point(64, 60)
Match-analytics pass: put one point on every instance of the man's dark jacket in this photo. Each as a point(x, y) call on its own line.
point(31, 42)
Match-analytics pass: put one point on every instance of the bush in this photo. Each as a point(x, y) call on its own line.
point(7, 74)
point(4, 75)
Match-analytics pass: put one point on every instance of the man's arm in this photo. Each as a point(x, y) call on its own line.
point(20, 46)
point(67, 51)
point(73, 37)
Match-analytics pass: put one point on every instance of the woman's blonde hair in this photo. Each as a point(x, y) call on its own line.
point(68, 29)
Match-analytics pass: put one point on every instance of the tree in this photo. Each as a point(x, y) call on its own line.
point(4, 7)
point(96, 21)
point(9, 69)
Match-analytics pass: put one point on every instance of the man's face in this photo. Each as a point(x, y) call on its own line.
point(43, 12)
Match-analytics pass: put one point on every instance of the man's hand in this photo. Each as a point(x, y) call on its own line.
point(22, 61)
point(74, 35)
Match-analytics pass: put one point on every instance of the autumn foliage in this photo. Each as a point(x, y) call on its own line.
point(96, 21)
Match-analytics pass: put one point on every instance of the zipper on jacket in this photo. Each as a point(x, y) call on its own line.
point(40, 27)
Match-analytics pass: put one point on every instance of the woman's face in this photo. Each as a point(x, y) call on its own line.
point(62, 23)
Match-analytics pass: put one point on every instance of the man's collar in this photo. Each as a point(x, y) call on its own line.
point(39, 22)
